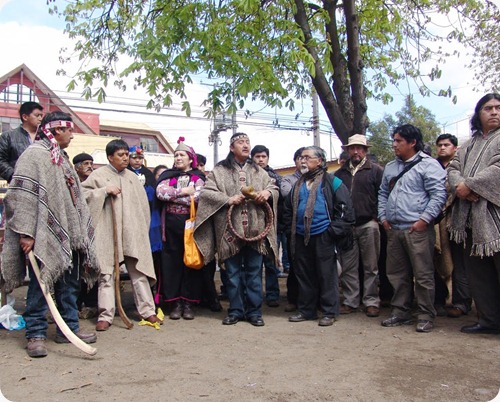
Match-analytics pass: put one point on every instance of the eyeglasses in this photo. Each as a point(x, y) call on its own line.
point(307, 157)
point(489, 109)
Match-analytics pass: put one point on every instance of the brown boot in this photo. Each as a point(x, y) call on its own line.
point(36, 347)
point(187, 312)
point(176, 312)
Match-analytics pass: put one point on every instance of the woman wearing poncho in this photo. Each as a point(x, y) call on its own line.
point(180, 286)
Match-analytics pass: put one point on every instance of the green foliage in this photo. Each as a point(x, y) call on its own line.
point(260, 47)
point(419, 116)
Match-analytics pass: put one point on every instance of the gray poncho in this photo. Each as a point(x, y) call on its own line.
point(477, 163)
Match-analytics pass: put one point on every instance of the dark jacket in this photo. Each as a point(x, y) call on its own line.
point(273, 175)
point(12, 144)
point(363, 188)
point(339, 207)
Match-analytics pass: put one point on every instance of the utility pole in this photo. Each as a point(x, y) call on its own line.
point(221, 123)
point(315, 117)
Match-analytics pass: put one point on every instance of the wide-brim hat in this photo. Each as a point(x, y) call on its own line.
point(356, 139)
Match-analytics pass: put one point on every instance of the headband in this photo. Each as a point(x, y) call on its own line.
point(55, 152)
point(237, 137)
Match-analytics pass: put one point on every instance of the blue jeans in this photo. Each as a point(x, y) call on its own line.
point(244, 285)
point(282, 242)
point(272, 284)
point(66, 291)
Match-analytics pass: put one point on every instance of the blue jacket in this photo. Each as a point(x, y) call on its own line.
point(419, 194)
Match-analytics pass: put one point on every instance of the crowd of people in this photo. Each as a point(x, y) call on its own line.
point(416, 224)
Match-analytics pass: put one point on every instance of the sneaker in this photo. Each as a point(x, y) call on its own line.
point(326, 321)
point(36, 347)
point(395, 321)
point(424, 326)
point(87, 337)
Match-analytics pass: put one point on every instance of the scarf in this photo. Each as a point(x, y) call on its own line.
point(482, 218)
point(55, 151)
point(315, 177)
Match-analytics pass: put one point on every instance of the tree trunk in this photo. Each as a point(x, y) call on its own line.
point(346, 113)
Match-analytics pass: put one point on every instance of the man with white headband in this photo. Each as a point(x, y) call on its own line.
point(242, 258)
point(47, 214)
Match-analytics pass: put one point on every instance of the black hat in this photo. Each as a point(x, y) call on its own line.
point(82, 157)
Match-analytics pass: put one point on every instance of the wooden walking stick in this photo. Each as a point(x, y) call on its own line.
point(118, 295)
point(68, 333)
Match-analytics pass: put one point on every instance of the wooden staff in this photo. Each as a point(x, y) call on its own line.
point(68, 333)
point(118, 295)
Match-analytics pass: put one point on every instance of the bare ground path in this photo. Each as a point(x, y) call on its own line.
point(354, 360)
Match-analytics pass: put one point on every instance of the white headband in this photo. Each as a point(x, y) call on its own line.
point(238, 137)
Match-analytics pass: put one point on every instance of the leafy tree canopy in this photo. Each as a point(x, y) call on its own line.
point(380, 132)
point(270, 50)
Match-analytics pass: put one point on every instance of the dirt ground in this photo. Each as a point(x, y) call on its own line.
point(354, 360)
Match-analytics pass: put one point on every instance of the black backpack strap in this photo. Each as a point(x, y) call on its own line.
point(394, 180)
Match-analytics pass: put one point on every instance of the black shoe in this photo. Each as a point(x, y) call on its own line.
point(187, 311)
point(256, 321)
point(215, 306)
point(273, 303)
point(424, 326)
point(326, 321)
point(230, 320)
point(479, 329)
point(395, 321)
point(176, 312)
point(299, 318)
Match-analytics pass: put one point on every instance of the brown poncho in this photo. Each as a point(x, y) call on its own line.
point(211, 232)
point(39, 204)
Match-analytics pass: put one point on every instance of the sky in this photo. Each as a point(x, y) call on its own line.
point(36, 38)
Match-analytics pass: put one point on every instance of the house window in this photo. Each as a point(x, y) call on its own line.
point(149, 144)
point(17, 93)
point(8, 124)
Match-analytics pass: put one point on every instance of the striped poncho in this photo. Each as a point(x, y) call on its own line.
point(44, 201)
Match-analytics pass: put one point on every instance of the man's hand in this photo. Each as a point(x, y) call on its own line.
point(26, 243)
point(113, 190)
point(262, 196)
point(419, 226)
point(386, 225)
point(465, 193)
point(236, 199)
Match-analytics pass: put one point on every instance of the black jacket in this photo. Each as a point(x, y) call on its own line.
point(12, 144)
point(339, 207)
point(363, 188)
